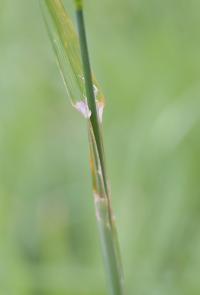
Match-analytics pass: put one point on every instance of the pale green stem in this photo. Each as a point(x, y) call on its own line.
point(105, 220)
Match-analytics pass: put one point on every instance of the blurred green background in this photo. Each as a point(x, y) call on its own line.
point(146, 55)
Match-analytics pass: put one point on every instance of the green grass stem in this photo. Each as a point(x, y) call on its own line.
point(105, 219)
point(89, 88)
point(73, 60)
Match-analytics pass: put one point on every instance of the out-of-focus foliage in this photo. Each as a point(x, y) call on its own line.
point(146, 55)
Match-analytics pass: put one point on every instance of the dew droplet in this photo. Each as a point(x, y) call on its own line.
point(96, 90)
point(100, 108)
point(99, 102)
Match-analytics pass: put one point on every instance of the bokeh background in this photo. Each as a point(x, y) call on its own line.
point(146, 55)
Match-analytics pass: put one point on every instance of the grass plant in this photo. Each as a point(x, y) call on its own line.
point(73, 60)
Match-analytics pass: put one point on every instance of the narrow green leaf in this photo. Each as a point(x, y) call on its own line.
point(65, 43)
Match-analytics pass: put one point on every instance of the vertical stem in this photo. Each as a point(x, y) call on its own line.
point(60, 28)
point(106, 224)
point(89, 87)
point(105, 219)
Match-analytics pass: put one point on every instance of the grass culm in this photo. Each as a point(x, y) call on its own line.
point(73, 60)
